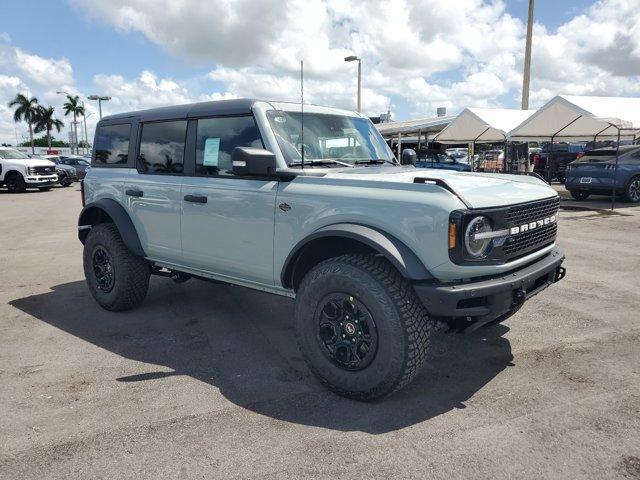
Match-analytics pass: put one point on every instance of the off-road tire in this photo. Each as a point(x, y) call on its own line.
point(631, 190)
point(131, 272)
point(15, 182)
point(579, 195)
point(403, 326)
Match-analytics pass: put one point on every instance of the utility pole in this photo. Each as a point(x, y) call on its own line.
point(526, 77)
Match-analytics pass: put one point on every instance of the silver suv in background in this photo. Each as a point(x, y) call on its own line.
point(313, 206)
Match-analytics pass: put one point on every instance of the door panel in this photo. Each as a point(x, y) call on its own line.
point(156, 214)
point(232, 233)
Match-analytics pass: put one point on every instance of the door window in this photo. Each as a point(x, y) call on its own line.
point(112, 144)
point(162, 147)
point(217, 137)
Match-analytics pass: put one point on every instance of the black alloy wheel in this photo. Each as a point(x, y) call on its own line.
point(346, 331)
point(103, 269)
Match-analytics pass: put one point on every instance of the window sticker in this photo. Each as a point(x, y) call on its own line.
point(211, 150)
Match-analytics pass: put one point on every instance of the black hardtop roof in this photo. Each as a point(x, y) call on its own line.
point(238, 106)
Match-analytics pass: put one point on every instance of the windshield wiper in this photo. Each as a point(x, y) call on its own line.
point(322, 161)
point(374, 161)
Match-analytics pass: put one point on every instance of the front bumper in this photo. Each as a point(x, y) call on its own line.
point(41, 180)
point(488, 299)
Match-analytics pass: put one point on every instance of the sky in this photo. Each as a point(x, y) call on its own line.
point(417, 55)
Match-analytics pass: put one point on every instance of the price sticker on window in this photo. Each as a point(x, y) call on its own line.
point(211, 151)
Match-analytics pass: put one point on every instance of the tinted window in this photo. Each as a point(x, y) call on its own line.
point(216, 139)
point(112, 144)
point(162, 147)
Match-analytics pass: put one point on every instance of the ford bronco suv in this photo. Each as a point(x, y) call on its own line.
point(313, 206)
point(19, 172)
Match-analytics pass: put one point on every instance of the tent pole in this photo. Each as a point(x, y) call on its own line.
point(506, 149)
point(615, 171)
point(473, 154)
point(547, 167)
point(419, 137)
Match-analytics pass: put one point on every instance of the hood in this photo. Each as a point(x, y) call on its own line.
point(479, 190)
point(31, 162)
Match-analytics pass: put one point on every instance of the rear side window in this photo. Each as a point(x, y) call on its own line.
point(162, 147)
point(112, 144)
point(217, 137)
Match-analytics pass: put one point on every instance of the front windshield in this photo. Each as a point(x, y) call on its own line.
point(10, 153)
point(328, 138)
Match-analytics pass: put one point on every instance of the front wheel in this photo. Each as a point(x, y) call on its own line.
point(360, 326)
point(632, 192)
point(577, 195)
point(117, 279)
point(15, 183)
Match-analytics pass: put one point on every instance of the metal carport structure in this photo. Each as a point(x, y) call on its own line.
point(417, 127)
point(573, 117)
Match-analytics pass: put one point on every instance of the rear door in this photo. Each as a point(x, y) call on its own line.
point(153, 190)
point(227, 221)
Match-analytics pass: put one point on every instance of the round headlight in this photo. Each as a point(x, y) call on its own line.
point(477, 247)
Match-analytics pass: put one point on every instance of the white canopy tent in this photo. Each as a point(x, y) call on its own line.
point(570, 117)
point(573, 117)
point(488, 125)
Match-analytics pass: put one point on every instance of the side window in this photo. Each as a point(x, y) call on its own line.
point(217, 137)
point(162, 147)
point(112, 144)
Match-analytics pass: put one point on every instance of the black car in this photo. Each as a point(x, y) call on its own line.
point(79, 163)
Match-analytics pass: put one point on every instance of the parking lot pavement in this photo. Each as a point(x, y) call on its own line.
point(205, 381)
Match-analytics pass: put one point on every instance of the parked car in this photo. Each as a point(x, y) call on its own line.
point(460, 155)
point(19, 172)
point(373, 252)
point(79, 163)
point(66, 173)
point(552, 160)
point(594, 173)
point(438, 159)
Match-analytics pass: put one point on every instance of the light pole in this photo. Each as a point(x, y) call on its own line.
point(526, 74)
point(86, 139)
point(353, 58)
point(100, 99)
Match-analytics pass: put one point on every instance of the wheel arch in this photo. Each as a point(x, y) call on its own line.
point(108, 210)
point(339, 239)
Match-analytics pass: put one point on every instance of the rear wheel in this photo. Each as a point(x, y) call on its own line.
point(632, 191)
point(15, 182)
point(360, 326)
point(117, 279)
point(578, 195)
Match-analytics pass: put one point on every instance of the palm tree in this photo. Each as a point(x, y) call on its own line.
point(47, 122)
point(27, 110)
point(74, 106)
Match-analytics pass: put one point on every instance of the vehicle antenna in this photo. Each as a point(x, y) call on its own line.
point(302, 112)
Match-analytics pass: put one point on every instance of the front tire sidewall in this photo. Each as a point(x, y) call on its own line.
point(15, 183)
point(386, 368)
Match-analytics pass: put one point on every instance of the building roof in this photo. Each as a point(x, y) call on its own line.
point(426, 125)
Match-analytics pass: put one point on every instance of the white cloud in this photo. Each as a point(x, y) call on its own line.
point(44, 71)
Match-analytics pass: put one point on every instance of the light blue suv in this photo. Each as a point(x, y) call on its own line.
point(313, 206)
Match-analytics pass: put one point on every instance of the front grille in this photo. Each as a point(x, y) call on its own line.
point(44, 170)
point(523, 243)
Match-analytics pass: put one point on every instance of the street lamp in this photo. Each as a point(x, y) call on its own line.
point(86, 138)
point(353, 58)
point(100, 99)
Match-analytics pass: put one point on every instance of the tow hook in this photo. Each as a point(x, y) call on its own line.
point(519, 296)
point(560, 273)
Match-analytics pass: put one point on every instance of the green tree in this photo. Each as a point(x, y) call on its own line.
point(27, 110)
point(73, 106)
point(44, 142)
point(46, 121)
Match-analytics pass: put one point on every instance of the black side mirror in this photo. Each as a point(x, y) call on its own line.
point(409, 157)
point(253, 162)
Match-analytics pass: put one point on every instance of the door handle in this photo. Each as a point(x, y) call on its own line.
point(133, 192)
point(195, 198)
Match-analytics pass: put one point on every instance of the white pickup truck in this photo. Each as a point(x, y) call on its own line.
point(19, 172)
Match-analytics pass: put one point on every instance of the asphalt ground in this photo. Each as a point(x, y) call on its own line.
point(205, 381)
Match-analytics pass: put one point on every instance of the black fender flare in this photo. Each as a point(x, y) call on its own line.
point(400, 256)
point(119, 216)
